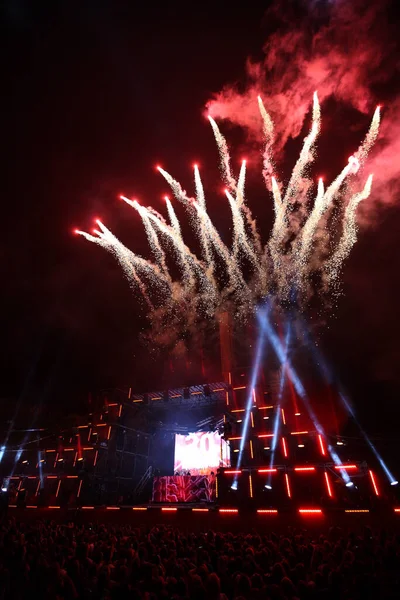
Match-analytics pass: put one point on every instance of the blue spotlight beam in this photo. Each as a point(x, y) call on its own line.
point(330, 378)
point(281, 354)
point(253, 381)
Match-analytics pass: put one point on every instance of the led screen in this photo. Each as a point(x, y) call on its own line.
point(200, 452)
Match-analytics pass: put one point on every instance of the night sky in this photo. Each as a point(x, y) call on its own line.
point(95, 94)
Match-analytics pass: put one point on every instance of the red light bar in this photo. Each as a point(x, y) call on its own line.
point(397, 510)
point(235, 438)
point(298, 432)
point(228, 510)
point(357, 510)
point(31, 506)
point(169, 509)
point(285, 452)
point(112, 507)
point(238, 410)
point(87, 507)
point(267, 470)
point(328, 485)
point(139, 508)
point(346, 467)
point(304, 469)
point(374, 482)
point(53, 507)
point(310, 511)
point(289, 493)
point(321, 445)
point(241, 387)
point(283, 416)
point(269, 511)
point(264, 407)
point(266, 435)
point(231, 472)
point(199, 509)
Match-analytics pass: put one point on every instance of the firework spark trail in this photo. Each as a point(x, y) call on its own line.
point(200, 197)
point(196, 266)
point(208, 234)
point(109, 242)
point(154, 242)
point(349, 235)
point(282, 265)
point(310, 226)
point(268, 130)
point(224, 156)
point(171, 232)
point(370, 139)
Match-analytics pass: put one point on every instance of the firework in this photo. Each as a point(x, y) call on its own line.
point(240, 274)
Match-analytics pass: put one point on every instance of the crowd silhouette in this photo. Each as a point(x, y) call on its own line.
point(49, 560)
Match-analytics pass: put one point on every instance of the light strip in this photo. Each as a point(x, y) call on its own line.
point(304, 469)
point(310, 511)
point(112, 507)
point(241, 387)
point(87, 507)
point(58, 487)
point(235, 438)
point(266, 435)
point(199, 509)
point(251, 449)
point(285, 451)
point(79, 490)
point(53, 507)
point(252, 419)
point(264, 407)
point(321, 445)
point(298, 432)
point(328, 484)
point(356, 510)
point(238, 410)
point(139, 508)
point(374, 482)
point(169, 509)
point(346, 467)
point(269, 511)
point(228, 510)
point(397, 510)
point(250, 485)
point(232, 472)
point(289, 493)
point(283, 416)
point(267, 470)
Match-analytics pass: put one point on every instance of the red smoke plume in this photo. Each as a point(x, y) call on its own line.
point(346, 52)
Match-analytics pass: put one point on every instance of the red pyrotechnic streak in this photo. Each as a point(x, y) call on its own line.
point(285, 452)
point(289, 493)
point(321, 445)
point(328, 484)
point(374, 482)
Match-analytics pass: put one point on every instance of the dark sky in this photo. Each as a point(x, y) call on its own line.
point(95, 93)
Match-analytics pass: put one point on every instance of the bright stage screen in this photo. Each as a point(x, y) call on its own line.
point(200, 452)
